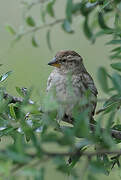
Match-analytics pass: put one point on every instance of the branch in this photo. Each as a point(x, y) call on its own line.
point(57, 21)
point(35, 29)
point(89, 154)
point(13, 99)
point(114, 133)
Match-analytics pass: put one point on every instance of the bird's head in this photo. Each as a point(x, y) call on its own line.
point(66, 60)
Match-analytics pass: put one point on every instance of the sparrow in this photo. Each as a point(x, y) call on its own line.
point(72, 84)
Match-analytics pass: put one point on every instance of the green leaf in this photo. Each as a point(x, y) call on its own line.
point(118, 21)
point(87, 31)
point(4, 76)
point(68, 138)
point(48, 40)
point(19, 91)
point(6, 131)
point(97, 167)
point(91, 177)
point(49, 8)
point(110, 121)
point(116, 49)
point(42, 13)
point(35, 141)
point(114, 41)
point(12, 112)
point(10, 29)
point(102, 77)
point(104, 32)
point(27, 129)
point(67, 26)
point(117, 127)
point(30, 21)
point(101, 21)
point(18, 157)
point(85, 8)
point(116, 66)
point(112, 100)
point(76, 7)
point(116, 79)
point(34, 42)
point(50, 137)
point(81, 125)
point(105, 4)
point(69, 7)
point(115, 56)
point(61, 164)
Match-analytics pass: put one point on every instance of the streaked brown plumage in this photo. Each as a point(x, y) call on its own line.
point(71, 81)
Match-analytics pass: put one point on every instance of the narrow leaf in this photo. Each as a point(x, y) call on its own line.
point(30, 21)
point(69, 7)
point(102, 77)
point(6, 131)
point(49, 8)
point(116, 79)
point(76, 7)
point(10, 29)
point(112, 100)
point(48, 40)
point(67, 27)
point(115, 56)
point(34, 42)
point(19, 91)
point(12, 112)
point(116, 49)
point(116, 66)
point(87, 31)
point(3, 77)
point(42, 13)
point(101, 21)
point(105, 4)
point(114, 41)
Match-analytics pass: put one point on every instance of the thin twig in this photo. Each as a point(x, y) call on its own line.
point(13, 99)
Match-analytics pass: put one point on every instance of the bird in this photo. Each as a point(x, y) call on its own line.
point(71, 84)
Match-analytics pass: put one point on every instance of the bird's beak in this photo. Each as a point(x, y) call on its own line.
point(54, 62)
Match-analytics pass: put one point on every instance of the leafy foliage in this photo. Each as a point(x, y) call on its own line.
point(31, 127)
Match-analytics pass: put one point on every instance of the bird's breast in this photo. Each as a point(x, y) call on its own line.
point(67, 87)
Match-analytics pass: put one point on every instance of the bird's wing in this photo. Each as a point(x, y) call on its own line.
point(89, 83)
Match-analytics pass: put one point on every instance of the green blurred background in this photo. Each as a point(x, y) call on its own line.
point(29, 64)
